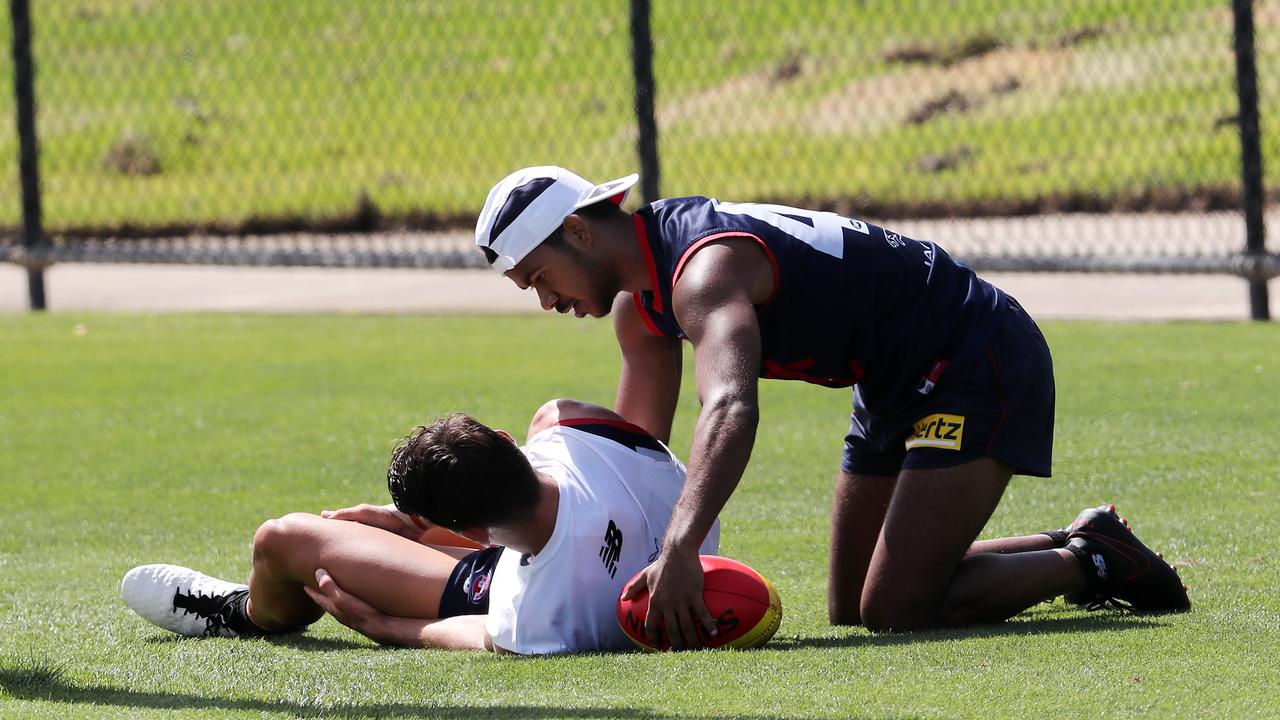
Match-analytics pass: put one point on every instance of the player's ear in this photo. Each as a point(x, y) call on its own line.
point(506, 435)
point(577, 232)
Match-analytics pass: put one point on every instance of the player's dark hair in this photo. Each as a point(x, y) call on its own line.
point(460, 474)
point(602, 210)
point(597, 211)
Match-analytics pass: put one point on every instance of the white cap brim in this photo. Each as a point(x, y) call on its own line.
point(536, 222)
point(611, 189)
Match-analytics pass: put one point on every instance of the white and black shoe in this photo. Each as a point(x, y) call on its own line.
point(188, 602)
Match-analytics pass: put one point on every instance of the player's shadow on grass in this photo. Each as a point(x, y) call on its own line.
point(296, 642)
point(1109, 623)
point(34, 680)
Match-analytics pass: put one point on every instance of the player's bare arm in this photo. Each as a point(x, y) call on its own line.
point(384, 517)
point(388, 517)
point(649, 383)
point(463, 632)
point(715, 302)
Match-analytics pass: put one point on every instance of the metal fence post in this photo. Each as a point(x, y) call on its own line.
point(1250, 153)
point(28, 159)
point(642, 66)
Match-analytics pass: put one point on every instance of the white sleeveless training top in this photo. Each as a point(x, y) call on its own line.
point(618, 486)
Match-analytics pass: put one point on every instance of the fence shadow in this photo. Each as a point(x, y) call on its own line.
point(308, 643)
point(1110, 623)
point(32, 680)
point(39, 680)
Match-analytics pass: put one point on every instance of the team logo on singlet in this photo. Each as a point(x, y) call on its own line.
point(612, 548)
point(941, 431)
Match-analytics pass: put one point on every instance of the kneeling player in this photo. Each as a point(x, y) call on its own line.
point(561, 524)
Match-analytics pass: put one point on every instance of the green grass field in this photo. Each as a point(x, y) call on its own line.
point(187, 112)
point(127, 439)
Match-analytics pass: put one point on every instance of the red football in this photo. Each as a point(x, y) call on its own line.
point(745, 605)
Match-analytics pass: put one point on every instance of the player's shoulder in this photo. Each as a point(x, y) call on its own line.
point(677, 217)
point(556, 412)
point(677, 203)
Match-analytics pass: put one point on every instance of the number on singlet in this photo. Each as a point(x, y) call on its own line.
point(826, 234)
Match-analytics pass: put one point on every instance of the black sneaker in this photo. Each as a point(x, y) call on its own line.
point(1059, 536)
point(188, 602)
point(1119, 570)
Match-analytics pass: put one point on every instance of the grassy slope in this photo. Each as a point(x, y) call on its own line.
point(279, 108)
point(170, 438)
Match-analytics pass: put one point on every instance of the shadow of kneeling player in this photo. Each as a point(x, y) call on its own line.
point(859, 637)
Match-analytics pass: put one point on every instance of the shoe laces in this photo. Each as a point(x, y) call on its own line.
point(1103, 603)
point(214, 609)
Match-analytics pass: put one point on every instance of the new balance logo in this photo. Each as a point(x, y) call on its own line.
point(1100, 564)
point(612, 548)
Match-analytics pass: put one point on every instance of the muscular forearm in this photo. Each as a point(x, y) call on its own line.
point(638, 405)
point(648, 389)
point(464, 632)
point(649, 382)
point(722, 442)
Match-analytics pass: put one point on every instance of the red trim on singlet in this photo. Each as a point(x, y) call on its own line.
point(620, 424)
point(1000, 394)
point(642, 237)
point(799, 370)
point(773, 261)
point(644, 315)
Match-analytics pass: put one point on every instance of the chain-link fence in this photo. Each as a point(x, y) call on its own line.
point(165, 120)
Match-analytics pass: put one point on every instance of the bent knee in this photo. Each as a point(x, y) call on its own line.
point(843, 616)
point(282, 534)
point(881, 618)
point(885, 612)
point(843, 606)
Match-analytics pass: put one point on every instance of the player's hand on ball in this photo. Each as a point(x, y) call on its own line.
point(385, 517)
point(674, 583)
point(744, 603)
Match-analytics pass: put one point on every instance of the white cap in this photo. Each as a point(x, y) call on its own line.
point(528, 205)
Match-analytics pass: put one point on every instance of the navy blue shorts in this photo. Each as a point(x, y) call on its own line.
point(467, 592)
point(1000, 406)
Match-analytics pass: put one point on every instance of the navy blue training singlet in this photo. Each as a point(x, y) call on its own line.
point(853, 303)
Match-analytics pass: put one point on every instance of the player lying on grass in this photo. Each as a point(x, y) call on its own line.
point(561, 524)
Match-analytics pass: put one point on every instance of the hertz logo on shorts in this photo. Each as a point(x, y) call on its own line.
point(941, 431)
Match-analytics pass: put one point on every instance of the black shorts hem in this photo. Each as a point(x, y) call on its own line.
point(882, 466)
point(1000, 407)
point(467, 590)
